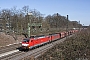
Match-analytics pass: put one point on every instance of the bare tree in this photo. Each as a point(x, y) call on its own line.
point(25, 9)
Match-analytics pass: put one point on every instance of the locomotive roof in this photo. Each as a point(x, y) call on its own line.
point(35, 36)
point(27, 38)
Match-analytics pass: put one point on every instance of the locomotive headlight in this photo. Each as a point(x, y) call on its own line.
point(25, 44)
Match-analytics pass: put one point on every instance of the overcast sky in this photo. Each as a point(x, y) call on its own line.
point(78, 10)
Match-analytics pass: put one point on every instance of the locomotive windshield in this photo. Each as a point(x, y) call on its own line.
point(25, 40)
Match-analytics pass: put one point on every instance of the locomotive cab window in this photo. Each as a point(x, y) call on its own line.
point(25, 40)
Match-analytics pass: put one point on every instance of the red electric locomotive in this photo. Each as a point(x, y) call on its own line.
point(29, 43)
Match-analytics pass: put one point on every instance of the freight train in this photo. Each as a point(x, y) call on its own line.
point(34, 41)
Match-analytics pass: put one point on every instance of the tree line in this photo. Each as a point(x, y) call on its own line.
point(18, 19)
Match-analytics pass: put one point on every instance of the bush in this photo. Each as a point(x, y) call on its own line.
point(75, 47)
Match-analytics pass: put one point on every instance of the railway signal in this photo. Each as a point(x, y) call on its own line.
point(33, 25)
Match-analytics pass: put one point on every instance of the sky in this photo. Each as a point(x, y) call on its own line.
point(77, 10)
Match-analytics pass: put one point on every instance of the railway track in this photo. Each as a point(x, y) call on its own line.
point(20, 55)
point(9, 48)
